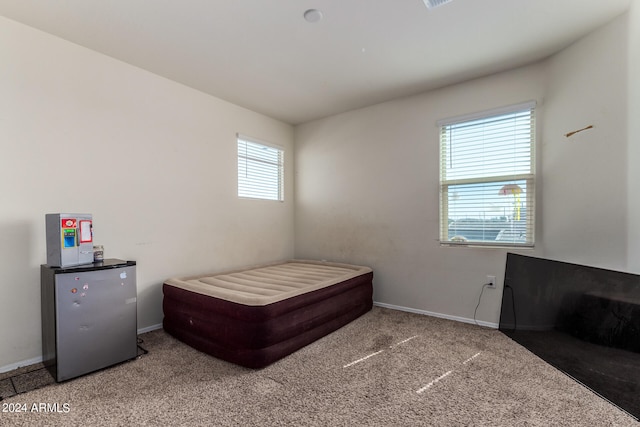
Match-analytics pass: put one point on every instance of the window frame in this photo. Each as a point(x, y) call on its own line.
point(529, 179)
point(254, 188)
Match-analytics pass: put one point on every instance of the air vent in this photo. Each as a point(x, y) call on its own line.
point(435, 3)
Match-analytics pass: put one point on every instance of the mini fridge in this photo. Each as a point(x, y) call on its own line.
point(89, 317)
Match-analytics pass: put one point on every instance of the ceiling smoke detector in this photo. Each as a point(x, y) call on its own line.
point(313, 15)
point(435, 3)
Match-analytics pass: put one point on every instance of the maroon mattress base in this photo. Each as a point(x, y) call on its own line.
point(256, 336)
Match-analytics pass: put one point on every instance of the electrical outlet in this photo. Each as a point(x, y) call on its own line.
point(491, 280)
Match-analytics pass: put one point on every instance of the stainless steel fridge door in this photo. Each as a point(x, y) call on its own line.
point(96, 323)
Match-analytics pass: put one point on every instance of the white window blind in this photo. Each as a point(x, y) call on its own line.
point(260, 170)
point(487, 178)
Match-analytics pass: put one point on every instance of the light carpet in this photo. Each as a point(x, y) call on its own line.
point(387, 368)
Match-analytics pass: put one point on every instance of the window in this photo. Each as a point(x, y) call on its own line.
point(487, 178)
point(260, 170)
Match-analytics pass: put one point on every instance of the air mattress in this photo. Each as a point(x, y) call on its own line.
point(258, 315)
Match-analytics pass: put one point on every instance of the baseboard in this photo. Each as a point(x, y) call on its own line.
point(20, 364)
point(38, 359)
point(150, 328)
point(440, 315)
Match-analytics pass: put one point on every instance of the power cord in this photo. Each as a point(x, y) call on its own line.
point(144, 351)
point(475, 312)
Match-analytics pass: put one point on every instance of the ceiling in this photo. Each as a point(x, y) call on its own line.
point(263, 55)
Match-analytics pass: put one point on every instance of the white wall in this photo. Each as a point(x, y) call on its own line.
point(633, 159)
point(367, 192)
point(160, 175)
point(585, 180)
point(367, 180)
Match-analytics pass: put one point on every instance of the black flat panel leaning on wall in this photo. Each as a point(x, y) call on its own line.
point(583, 320)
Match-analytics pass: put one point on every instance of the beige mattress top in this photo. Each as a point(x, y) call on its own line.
point(270, 283)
